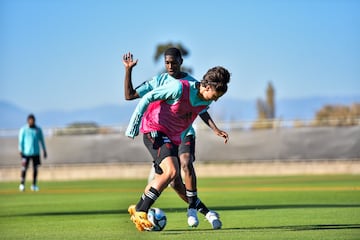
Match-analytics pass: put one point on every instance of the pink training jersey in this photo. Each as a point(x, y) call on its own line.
point(171, 119)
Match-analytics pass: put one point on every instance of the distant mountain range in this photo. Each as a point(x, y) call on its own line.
point(286, 109)
point(12, 116)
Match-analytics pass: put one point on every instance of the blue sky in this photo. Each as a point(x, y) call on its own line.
point(67, 54)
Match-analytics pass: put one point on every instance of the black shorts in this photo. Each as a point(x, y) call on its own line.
point(188, 146)
point(35, 159)
point(160, 147)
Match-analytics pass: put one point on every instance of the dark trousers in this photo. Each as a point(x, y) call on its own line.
point(25, 165)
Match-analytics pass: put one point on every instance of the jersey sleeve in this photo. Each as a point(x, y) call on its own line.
point(147, 86)
point(21, 140)
point(171, 91)
point(41, 139)
point(205, 110)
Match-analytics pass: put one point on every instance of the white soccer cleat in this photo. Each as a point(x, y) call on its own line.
point(213, 218)
point(193, 220)
point(21, 187)
point(35, 188)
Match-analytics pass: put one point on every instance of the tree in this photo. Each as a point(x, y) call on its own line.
point(270, 101)
point(261, 109)
point(265, 109)
point(338, 115)
point(161, 48)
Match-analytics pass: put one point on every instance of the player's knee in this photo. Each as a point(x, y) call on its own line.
point(170, 169)
point(185, 162)
point(171, 173)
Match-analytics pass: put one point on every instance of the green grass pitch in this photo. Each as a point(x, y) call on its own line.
point(294, 207)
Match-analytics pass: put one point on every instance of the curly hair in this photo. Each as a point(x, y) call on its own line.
point(218, 77)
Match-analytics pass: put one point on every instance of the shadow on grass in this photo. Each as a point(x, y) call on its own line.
point(218, 208)
point(272, 228)
point(302, 227)
point(283, 206)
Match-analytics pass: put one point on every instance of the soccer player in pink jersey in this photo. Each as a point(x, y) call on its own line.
point(163, 116)
point(187, 189)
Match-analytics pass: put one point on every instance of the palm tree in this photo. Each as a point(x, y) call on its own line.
point(270, 101)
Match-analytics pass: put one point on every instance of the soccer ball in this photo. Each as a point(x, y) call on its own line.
point(158, 218)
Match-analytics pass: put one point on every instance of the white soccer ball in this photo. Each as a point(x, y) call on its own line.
point(158, 218)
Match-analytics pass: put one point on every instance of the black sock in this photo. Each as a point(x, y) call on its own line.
point(23, 174)
point(192, 198)
point(35, 176)
point(200, 206)
point(150, 198)
point(138, 205)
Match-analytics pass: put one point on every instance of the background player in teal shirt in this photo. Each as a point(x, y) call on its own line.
point(187, 191)
point(30, 139)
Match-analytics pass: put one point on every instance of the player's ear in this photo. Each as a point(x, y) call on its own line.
point(180, 61)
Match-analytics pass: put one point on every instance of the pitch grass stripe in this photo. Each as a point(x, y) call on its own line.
point(282, 189)
point(288, 179)
point(83, 190)
point(213, 189)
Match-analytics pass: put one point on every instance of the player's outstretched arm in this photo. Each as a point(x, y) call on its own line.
point(129, 63)
point(205, 116)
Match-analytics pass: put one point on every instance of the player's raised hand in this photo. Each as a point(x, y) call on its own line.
point(128, 60)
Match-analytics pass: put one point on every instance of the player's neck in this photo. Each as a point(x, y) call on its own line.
point(180, 75)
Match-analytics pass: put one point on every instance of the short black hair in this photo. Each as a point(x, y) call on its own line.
point(175, 52)
point(31, 116)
